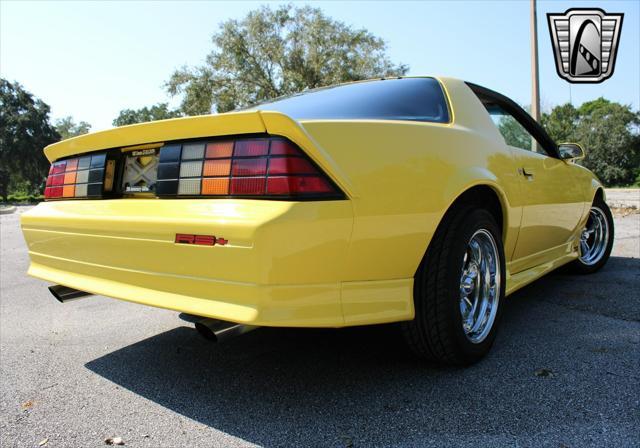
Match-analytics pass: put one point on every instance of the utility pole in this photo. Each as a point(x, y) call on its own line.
point(570, 98)
point(535, 87)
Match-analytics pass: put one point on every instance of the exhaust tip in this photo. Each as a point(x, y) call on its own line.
point(218, 330)
point(206, 332)
point(64, 294)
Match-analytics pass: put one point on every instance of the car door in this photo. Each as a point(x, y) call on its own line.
point(551, 197)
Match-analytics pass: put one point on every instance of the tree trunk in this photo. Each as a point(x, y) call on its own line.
point(4, 185)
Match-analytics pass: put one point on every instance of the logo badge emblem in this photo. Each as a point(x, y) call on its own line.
point(585, 43)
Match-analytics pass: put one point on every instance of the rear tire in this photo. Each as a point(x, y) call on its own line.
point(596, 240)
point(442, 282)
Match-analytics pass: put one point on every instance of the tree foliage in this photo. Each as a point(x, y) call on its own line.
point(68, 128)
point(561, 122)
point(24, 131)
point(609, 133)
point(275, 52)
point(159, 111)
point(514, 133)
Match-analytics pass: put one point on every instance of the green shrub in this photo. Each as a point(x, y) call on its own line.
point(24, 198)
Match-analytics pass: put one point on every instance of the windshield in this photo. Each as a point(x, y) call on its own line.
point(416, 99)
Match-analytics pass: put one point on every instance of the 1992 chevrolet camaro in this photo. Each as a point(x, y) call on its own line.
point(399, 200)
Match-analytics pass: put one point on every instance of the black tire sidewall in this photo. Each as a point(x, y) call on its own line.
point(588, 269)
point(477, 219)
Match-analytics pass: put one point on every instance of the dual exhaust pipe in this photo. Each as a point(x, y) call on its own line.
point(211, 329)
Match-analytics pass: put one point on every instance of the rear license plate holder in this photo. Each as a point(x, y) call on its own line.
point(140, 171)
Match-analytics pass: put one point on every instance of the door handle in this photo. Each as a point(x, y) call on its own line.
point(528, 172)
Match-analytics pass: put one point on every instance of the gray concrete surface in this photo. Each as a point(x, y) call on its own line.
point(78, 373)
point(7, 209)
point(623, 197)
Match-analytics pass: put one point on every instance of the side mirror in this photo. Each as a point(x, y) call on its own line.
point(570, 151)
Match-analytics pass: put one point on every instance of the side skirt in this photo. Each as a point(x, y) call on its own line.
point(521, 279)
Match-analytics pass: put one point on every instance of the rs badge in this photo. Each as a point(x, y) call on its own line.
point(200, 240)
point(585, 43)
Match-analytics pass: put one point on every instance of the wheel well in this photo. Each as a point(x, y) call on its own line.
point(486, 197)
point(482, 195)
point(599, 195)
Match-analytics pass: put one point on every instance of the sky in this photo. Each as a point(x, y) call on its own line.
point(91, 59)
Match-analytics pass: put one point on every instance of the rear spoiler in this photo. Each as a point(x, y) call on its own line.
point(158, 132)
point(234, 123)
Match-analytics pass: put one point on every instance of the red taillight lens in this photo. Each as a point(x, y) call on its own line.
point(58, 167)
point(250, 167)
point(248, 148)
point(297, 185)
point(284, 148)
point(80, 177)
point(285, 165)
point(247, 186)
point(241, 167)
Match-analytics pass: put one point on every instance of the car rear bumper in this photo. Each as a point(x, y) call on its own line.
point(282, 264)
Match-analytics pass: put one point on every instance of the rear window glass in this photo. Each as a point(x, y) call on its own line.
point(416, 99)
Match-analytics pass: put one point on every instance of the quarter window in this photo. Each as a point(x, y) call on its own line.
point(512, 131)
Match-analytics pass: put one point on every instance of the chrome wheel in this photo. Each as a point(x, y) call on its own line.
point(480, 286)
point(594, 238)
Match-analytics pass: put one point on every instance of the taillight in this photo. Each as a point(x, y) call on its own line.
point(247, 167)
point(79, 177)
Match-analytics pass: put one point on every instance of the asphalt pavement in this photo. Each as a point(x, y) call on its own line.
point(564, 372)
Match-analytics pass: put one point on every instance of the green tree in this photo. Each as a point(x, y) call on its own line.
point(67, 128)
point(561, 123)
point(609, 133)
point(514, 133)
point(275, 52)
point(24, 131)
point(159, 111)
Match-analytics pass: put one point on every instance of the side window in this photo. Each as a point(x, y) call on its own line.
point(512, 131)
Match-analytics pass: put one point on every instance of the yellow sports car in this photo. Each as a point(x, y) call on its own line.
point(423, 201)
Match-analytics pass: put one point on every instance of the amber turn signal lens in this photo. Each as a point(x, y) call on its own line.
point(215, 186)
point(70, 178)
point(219, 149)
point(217, 167)
point(69, 191)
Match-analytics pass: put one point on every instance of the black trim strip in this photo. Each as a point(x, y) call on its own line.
point(521, 116)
